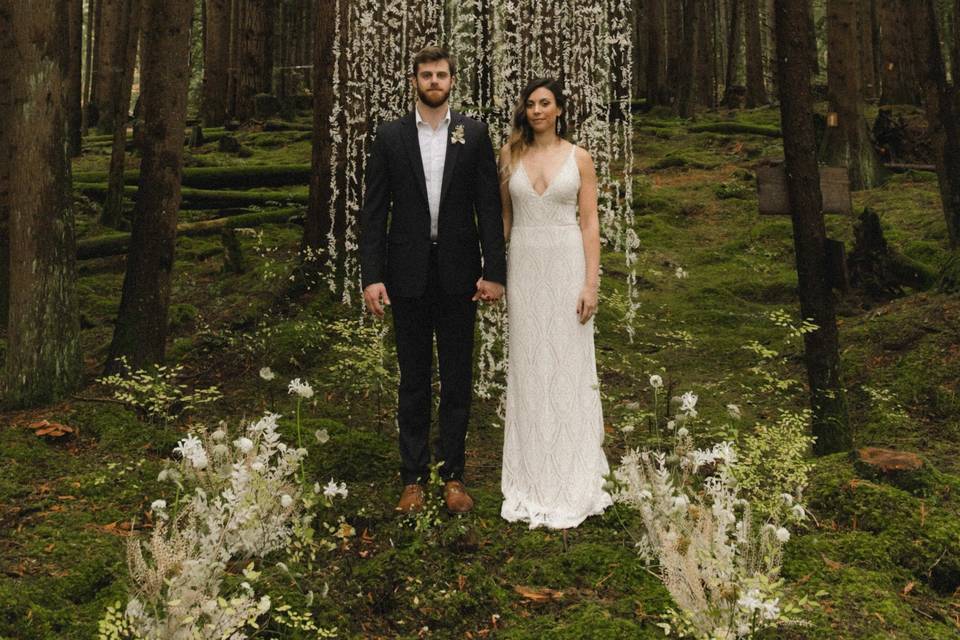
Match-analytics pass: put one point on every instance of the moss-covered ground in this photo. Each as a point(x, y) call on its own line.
point(878, 560)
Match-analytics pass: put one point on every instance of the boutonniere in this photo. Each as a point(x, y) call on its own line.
point(457, 136)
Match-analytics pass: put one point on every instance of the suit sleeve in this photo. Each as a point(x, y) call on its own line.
point(373, 215)
point(490, 214)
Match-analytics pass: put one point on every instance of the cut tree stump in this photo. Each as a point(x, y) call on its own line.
point(118, 243)
point(902, 469)
point(878, 270)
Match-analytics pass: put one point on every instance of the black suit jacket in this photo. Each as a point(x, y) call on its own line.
point(395, 219)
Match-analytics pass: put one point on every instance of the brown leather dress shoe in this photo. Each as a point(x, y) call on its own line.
point(412, 499)
point(456, 497)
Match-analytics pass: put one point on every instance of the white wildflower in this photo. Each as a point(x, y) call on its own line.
point(798, 512)
point(656, 381)
point(158, 505)
point(787, 498)
point(286, 501)
point(782, 534)
point(267, 374)
point(302, 389)
point(322, 436)
point(244, 444)
point(688, 403)
point(218, 435)
point(627, 428)
point(333, 489)
point(190, 448)
point(680, 273)
point(682, 432)
point(733, 411)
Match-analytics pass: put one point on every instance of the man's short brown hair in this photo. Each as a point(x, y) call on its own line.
point(433, 54)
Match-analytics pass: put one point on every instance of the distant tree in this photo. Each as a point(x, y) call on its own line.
point(868, 33)
point(75, 79)
point(943, 113)
point(704, 73)
point(43, 361)
point(6, 105)
point(733, 54)
point(847, 141)
point(124, 57)
point(756, 91)
point(656, 51)
point(140, 333)
point(318, 219)
point(216, 63)
point(821, 354)
point(684, 106)
point(109, 76)
point(255, 58)
point(898, 51)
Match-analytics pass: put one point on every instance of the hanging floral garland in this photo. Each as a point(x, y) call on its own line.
point(500, 45)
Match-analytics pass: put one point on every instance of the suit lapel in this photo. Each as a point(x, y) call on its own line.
point(412, 142)
point(450, 160)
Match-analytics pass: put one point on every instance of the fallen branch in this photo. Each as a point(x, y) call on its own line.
point(208, 198)
point(736, 127)
point(219, 177)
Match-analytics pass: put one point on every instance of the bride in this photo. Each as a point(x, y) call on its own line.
point(553, 461)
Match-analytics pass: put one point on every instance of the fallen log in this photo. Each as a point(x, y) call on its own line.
point(118, 243)
point(219, 177)
point(736, 127)
point(209, 198)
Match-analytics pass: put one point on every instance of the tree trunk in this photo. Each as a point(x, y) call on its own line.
point(675, 51)
point(656, 52)
point(255, 55)
point(943, 112)
point(75, 79)
point(827, 397)
point(955, 51)
point(847, 144)
point(92, 112)
point(125, 59)
point(112, 61)
point(866, 37)
point(236, 6)
point(318, 220)
point(7, 51)
point(88, 72)
point(684, 106)
point(756, 91)
point(705, 52)
point(43, 361)
point(900, 84)
point(216, 63)
point(733, 55)
point(141, 330)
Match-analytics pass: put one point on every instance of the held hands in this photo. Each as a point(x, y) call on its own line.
point(372, 297)
point(587, 303)
point(488, 291)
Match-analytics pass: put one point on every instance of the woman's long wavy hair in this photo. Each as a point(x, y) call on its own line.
point(521, 135)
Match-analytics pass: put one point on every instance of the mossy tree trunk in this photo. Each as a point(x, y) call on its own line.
point(756, 91)
point(88, 60)
point(141, 330)
point(848, 143)
point(898, 65)
point(43, 361)
point(75, 79)
point(827, 399)
point(216, 63)
point(318, 220)
point(733, 54)
point(124, 57)
point(943, 111)
point(866, 42)
point(656, 51)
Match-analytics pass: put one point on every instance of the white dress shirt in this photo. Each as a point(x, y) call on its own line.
point(433, 153)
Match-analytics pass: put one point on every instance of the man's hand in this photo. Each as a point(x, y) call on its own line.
point(372, 297)
point(488, 291)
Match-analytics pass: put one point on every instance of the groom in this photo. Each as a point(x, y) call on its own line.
point(432, 205)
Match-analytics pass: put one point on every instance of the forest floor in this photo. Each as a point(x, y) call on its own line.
point(876, 560)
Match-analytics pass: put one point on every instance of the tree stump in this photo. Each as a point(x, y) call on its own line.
point(901, 135)
point(265, 106)
point(902, 469)
point(233, 261)
point(228, 144)
point(196, 136)
point(876, 269)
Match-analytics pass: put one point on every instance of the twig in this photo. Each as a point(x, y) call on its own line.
point(107, 400)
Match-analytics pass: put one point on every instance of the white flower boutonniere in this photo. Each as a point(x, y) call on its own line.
point(457, 136)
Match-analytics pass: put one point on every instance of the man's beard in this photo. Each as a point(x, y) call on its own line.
point(433, 104)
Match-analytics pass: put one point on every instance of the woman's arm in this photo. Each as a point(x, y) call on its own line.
point(505, 204)
point(590, 229)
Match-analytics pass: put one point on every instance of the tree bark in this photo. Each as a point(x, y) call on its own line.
point(827, 397)
point(705, 51)
point(125, 59)
point(900, 84)
point(733, 55)
point(7, 51)
point(955, 51)
point(675, 50)
point(866, 37)
point(75, 79)
point(216, 63)
point(88, 61)
point(255, 55)
point(848, 143)
point(318, 220)
point(91, 112)
point(43, 361)
point(656, 52)
point(684, 106)
point(943, 111)
point(141, 329)
point(756, 91)
point(109, 76)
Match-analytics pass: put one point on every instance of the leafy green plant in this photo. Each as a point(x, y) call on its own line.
point(157, 394)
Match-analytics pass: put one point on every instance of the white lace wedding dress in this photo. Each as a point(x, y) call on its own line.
point(553, 460)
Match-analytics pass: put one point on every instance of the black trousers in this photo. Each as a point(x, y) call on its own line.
point(451, 317)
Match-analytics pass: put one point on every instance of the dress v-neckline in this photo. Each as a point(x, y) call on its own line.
point(563, 165)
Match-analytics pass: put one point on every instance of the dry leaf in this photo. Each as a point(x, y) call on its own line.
point(541, 594)
point(907, 589)
point(833, 564)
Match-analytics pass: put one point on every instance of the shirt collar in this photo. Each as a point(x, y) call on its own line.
point(444, 121)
